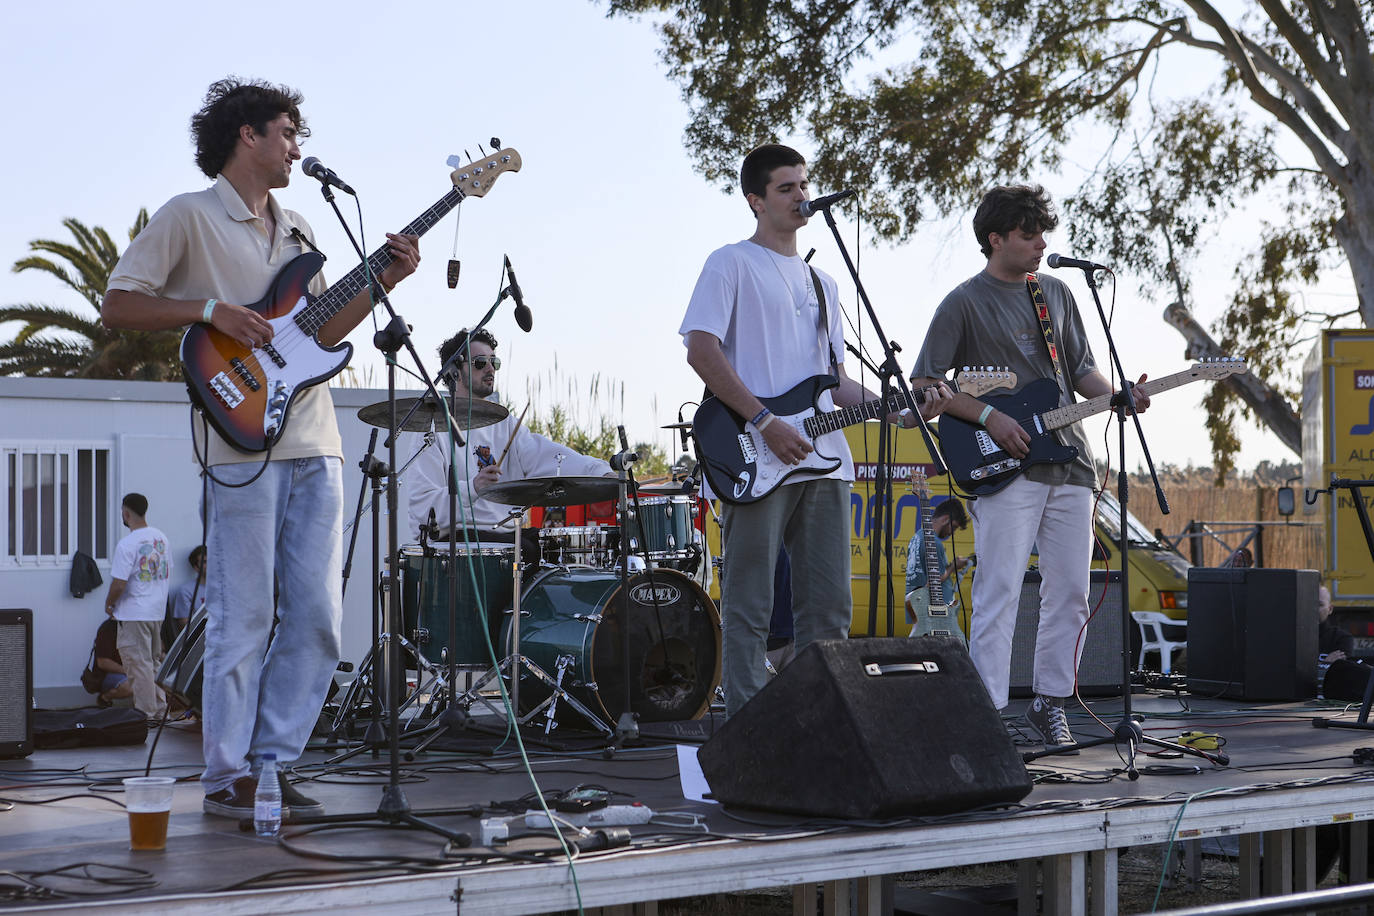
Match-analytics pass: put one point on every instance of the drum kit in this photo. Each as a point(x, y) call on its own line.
point(605, 621)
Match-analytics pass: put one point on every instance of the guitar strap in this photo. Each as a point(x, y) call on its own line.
point(824, 329)
point(1042, 314)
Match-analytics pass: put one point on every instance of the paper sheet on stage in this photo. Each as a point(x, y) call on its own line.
point(694, 785)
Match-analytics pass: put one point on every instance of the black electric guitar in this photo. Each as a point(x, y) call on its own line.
point(932, 614)
point(246, 394)
point(742, 469)
point(980, 466)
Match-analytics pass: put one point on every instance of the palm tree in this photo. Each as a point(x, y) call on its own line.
point(57, 342)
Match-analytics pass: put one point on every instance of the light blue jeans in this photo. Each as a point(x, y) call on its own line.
point(258, 699)
point(811, 520)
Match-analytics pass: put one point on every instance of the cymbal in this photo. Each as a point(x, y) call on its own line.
point(677, 426)
point(552, 491)
point(429, 413)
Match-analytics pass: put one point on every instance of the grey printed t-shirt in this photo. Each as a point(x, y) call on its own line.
point(989, 322)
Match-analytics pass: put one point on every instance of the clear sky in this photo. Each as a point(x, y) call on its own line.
point(607, 224)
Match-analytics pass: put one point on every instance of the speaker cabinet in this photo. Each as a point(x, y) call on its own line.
point(16, 682)
point(1252, 633)
point(1099, 667)
point(868, 728)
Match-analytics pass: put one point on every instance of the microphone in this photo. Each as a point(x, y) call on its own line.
point(1058, 260)
point(316, 169)
point(682, 430)
point(810, 207)
point(523, 316)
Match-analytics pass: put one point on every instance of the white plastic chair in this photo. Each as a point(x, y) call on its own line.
point(1152, 624)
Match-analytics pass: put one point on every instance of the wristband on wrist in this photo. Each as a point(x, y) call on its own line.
point(209, 310)
point(983, 417)
point(768, 418)
point(758, 417)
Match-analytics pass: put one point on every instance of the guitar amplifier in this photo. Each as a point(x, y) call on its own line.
point(16, 682)
point(1099, 667)
point(1252, 633)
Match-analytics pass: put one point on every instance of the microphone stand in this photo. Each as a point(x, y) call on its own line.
point(393, 808)
point(454, 719)
point(887, 371)
point(880, 533)
point(1128, 730)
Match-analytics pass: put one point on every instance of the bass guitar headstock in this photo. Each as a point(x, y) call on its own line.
point(477, 177)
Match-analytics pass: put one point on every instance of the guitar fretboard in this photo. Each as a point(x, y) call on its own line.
point(1217, 369)
point(343, 291)
point(935, 589)
point(832, 420)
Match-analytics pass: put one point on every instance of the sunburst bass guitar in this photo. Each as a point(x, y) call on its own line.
point(247, 394)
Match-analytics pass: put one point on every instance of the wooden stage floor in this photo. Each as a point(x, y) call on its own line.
point(64, 829)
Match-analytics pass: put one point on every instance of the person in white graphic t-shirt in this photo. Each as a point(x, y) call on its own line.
point(140, 572)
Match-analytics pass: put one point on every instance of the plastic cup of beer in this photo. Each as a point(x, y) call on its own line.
point(148, 799)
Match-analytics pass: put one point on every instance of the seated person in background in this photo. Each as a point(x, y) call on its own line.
point(490, 453)
point(182, 606)
point(116, 684)
point(945, 519)
point(1333, 643)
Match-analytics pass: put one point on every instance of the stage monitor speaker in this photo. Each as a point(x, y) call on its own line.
point(1252, 633)
point(868, 728)
point(16, 682)
point(1099, 667)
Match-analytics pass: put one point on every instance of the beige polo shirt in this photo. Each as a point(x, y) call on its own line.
point(209, 244)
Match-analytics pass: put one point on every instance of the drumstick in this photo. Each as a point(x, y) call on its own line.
point(518, 422)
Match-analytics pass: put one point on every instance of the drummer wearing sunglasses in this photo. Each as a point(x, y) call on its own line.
point(506, 450)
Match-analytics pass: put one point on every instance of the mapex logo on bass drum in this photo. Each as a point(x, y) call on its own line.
point(661, 593)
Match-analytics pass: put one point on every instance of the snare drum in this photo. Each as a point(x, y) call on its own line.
point(663, 527)
point(424, 599)
point(574, 615)
point(587, 545)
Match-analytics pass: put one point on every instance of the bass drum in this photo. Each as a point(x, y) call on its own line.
point(575, 615)
point(181, 673)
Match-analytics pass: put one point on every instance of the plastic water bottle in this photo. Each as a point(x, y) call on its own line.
point(267, 799)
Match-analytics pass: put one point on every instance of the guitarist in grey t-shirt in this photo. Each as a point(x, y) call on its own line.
point(1008, 315)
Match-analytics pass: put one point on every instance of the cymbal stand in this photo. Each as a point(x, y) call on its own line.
point(627, 726)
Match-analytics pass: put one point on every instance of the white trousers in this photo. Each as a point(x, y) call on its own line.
point(1006, 525)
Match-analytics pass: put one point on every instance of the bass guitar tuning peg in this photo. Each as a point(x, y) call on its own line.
point(495, 142)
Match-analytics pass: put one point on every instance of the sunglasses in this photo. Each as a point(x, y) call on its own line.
point(480, 362)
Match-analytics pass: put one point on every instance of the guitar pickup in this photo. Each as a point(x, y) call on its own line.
point(273, 355)
point(746, 447)
point(224, 388)
point(997, 467)
point(243, 372)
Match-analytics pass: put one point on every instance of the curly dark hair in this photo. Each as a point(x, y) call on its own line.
point(231, 103)
point(452, 345)
point(1008, 207)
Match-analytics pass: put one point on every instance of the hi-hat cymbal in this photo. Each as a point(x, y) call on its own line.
point(677, 426)
point(430, 413)
point(552, 491)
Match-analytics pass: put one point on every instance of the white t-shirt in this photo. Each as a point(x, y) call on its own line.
point(763, 309)
point(141, 560)
point(530, 455)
